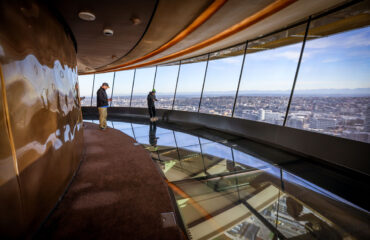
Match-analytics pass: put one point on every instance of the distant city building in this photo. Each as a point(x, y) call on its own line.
point(367, 119)
point(323, 123)
point(296, 122)
point(261, 114)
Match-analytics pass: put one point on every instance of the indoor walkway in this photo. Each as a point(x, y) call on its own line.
point(222, 187)
point(118, 193)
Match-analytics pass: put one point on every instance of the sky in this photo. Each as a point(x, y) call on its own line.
point(339, 61)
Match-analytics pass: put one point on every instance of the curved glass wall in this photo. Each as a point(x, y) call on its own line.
point(85, 83)
point(225, 190)
point(268, 75)
point(165, 83)
point(99, 80)
point(326, 89)
point(143, 84)
point(221, 83)
point(189, 86)
point(122, 88)
point(332, 93)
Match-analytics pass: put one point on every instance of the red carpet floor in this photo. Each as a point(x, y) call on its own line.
point(118, 193)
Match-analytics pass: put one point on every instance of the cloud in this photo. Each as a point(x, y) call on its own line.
point(230, 60)
point(350, 39)
point(277, 54)
point(330, 60)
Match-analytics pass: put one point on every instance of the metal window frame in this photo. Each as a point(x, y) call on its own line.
point(204, 81)
point(177, 81)
point(297, 71)
point(111, 94)
point(132, 87)
point(240, 77)
point(92, 90)
point(155, 76)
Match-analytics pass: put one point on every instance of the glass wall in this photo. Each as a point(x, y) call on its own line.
point(221, 81)
point(99, 80)
point(85, 83)
point(332, 93)
point(122, 88)
point(326, 90)
point(189, 86)
point(142, 86)
point(165, 83)
point(268, 75)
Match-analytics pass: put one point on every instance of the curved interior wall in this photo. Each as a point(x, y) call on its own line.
point(41, 135)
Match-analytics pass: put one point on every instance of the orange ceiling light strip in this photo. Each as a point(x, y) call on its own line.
point(247, 22)
point(213, 8)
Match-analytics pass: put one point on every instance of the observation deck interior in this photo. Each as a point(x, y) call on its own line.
point(260, 127)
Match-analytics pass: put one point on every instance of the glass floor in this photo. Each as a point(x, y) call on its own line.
point(226, 187)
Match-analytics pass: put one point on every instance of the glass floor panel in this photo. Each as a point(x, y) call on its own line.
point(226, 192)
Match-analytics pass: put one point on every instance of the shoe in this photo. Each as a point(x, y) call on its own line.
point(102, 128)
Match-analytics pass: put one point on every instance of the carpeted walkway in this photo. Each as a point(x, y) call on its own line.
point(118, 193)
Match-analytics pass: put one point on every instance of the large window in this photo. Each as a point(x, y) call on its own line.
point(142, 86)
point(268, 75)
point(99, 80)
point(189, 86)
point(221, 81)
point(122, 88)
point(85, 83)
point(332, 93)
point(165, 83)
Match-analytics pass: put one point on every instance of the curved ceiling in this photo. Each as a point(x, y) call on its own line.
point(94, 48)
point(152, 41)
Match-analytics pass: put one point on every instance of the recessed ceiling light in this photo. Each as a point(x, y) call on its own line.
point(87, 16)
point(108, 32)
point(135, 20)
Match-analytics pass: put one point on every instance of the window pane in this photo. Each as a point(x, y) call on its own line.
point(332, 94)
point(122, 88)
point(190, 84)
point(143, 85)
point(221, 82)
point(99, 80)
point(85, 83)
point(165, 83)
point(268, 75)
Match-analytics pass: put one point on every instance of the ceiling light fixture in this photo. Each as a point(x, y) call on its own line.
point(108, 32)
point(86, 16)
point(135, 20)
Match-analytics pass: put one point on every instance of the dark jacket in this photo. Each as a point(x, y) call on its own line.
point(151, 99)
point(102, 99)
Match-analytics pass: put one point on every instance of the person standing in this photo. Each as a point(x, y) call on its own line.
point(151, 107)
point(102, 104)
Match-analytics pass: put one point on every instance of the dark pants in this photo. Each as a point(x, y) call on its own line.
point(151, 111)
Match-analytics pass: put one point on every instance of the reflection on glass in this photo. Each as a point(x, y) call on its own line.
point(268, 74)
point(332, 94)
point(85, 83)
point(144, 80)
point(165, 83)
point(190, 84)
point(223, 193)
point(122, 88)
point(99, 80)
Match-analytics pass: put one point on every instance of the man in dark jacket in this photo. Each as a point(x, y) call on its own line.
point(102, 104)
point(151, 108)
